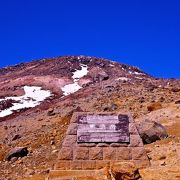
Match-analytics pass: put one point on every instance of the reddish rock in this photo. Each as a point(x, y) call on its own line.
point(109, 153)
point(123, 153)
point(81, 153)
point(95, 153)
point(125, 171)
point(65, 153)
point(151, 131)
point(154, 106)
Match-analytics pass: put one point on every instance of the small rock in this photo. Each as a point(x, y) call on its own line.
point(54, 151)
point(154, 106)
point(17, 136)
point(163, 163)
point(30, 172)
point(17, 152)
point(45, 171)
point(53, 147)
point(111, 107)
point(162, 157)
point(50, 112)
point(177, 102)
point(175, 89)
point(52, 142)
point(5, 127)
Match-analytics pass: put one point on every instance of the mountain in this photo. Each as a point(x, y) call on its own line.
point(37, 100)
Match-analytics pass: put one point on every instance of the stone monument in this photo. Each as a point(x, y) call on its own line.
point(98, 140)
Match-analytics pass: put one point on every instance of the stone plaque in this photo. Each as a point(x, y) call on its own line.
point(103, 128)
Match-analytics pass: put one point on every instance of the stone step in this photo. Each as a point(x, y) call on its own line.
point(77, 175)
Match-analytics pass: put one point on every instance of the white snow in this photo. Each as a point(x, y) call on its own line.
point(135, 72)
point(123, 78)
point(72, 88)
point(138, 78)
point(33, 96)
point(112, 65)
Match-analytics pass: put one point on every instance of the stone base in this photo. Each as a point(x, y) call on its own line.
point(78, 175)
point(90, 156)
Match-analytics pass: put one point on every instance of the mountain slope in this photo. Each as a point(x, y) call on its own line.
point(63, 85)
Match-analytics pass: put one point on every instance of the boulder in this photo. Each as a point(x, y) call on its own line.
point(151, 131)
point(177, 102)
point(125, 171)
point(16, 153)
point(154, 106)
point(110, 107)
point(50, 112)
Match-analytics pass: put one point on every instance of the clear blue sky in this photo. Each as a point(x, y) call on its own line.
point(144, 33)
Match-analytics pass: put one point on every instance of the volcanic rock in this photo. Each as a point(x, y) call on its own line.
point(17, 152)
point(151, 131)
point(125, 171)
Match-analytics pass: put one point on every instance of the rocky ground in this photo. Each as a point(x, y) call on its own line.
point(107, 87)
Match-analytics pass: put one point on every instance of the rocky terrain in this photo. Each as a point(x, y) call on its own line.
point(37, 100)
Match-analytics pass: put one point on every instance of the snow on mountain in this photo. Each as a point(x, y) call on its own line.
point(72, 88)
point(33, 96)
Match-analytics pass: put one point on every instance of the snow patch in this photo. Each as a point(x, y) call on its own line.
point(123, 78)
point(138, 78)
point(33, 96)
point(72, 88)
point(135, 72)
point(112, 65)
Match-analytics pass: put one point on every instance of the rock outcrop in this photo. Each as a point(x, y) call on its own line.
point(151, 131)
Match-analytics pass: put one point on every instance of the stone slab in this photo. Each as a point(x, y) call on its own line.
point(103, 128)
point(103, 137)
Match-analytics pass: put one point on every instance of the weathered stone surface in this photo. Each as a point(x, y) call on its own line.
point(89, 165)
point(132, 129)
point(103, 128)
point(138, 153)
point(72, 130)
point(66, 153)
point(96, 153)
point(119, 144)
point(17, 152)
point(151, 131)
point(86, 144)
point(154, 106)
point(76, 165)
point(69, 140)
point(142, 163)
point(96, 137)
point(109, 153)
point(101, 164)
point(75, 116)
point(125, 171)
point(51, 112)
point(103, 144)
point(62, 165)
point(123, 153)
point(135, 141)
point(101, 174)
point(81, 153)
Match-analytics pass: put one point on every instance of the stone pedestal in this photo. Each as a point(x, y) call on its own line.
point(98, 140)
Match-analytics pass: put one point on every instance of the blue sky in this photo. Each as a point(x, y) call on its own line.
point(144, 33)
